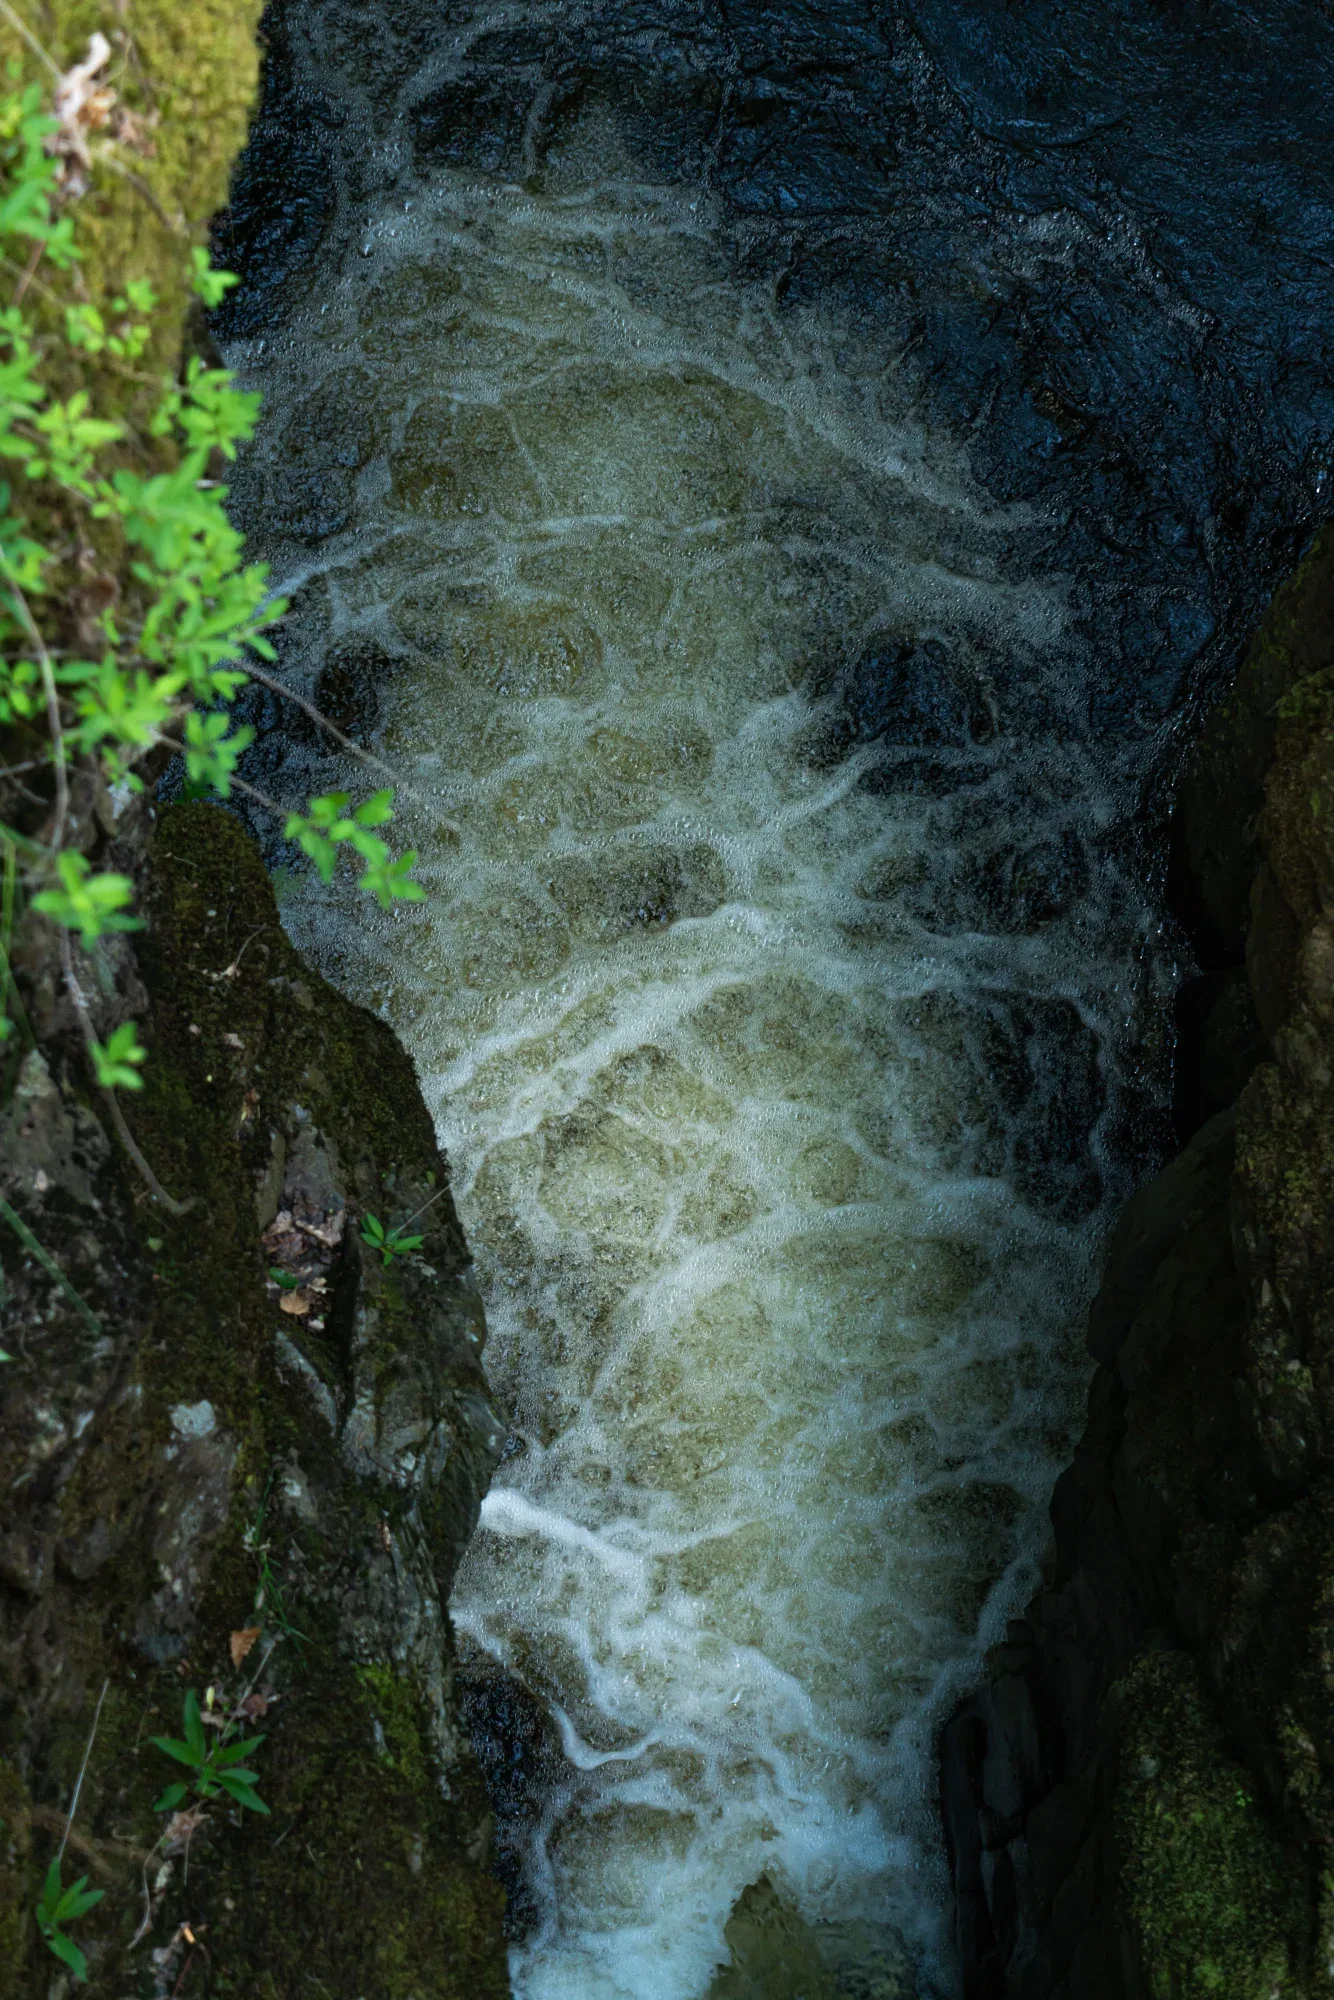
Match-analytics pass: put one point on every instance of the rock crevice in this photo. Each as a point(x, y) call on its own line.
point(1138, 1797)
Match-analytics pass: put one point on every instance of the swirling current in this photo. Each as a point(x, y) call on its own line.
point(774, 483)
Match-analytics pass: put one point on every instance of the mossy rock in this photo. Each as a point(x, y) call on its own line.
point(1208, 1890)
point(154, 1428)
point(188, 70)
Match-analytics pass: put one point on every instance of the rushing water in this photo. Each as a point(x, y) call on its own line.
point(773, 733)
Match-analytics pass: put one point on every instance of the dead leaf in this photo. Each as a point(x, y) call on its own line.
point(233, 1041)
point(295, 1303)
point(181, 1828)
point(242, 1641)
point(82, 105)
point(255, 1706)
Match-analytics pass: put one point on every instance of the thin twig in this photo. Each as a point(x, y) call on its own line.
point(260, 798)
point(353, 749)
point(15, 21)
point(78, 1783)
point(105, 157)
point(422, 1210)
point(127, 1137)
point(29, 273)
point(48, 1264)
point(146, 1921)
point(52, 698)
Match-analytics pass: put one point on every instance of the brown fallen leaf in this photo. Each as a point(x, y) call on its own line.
point(255, 1706)
point(242, 1641)
point(295, 1303)
point(180, 1828)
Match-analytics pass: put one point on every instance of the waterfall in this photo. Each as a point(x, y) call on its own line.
point(772, 657)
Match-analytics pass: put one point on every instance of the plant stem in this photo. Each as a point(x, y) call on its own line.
point(48, 1263)
point(52, 698)
point(78, 1783)
point(15, 21)
point(290, 694)
point(127, 1137)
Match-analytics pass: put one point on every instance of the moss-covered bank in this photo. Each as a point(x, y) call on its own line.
point(1140, 1798)
point(145, 1447)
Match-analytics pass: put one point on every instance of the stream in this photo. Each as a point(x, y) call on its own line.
point(775, 484)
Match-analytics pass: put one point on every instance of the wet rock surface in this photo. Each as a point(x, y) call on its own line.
point(1138, 1798)
point(193, 1448)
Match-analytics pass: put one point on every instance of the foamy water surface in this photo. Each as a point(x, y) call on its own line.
point(770, 996)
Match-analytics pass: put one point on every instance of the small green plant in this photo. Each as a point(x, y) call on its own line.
point(215, 1764)
point(128, 525)
point(390, 1243)
point(60, 1906)
point(116, 1059)
point(269, 1600)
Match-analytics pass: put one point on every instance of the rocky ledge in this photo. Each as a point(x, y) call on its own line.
point(241, 1452)
point(1138, 1799)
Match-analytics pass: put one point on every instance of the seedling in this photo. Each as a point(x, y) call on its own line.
point(269, 1600)
point(390, 1243)
point(60, 1906)
point(216, 1766)
point(116, 1060)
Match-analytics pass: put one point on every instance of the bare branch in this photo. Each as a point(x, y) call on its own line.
point(290, 694)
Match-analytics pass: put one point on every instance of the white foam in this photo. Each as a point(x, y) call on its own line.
point(792, 1360)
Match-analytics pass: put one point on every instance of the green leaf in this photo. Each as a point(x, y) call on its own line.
point(115, 1060)
point(46, 1908)
point(171, 1798)
point(192, 1723)
point(211, 285)
point(77, 1900)
point(232, 1753)
point(390, 881)
point(69, 1954)
point(284, 1279)
point(237, 1788)
point(182, 1752)
point(87, 903)
point(375, 810)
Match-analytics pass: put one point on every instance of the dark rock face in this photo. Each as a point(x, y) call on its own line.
point(238, 1417)
point(1138, 1799)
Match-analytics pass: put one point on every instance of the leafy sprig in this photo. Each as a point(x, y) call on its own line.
point(164, 652)
point(60, 1906)
point(216, 1766)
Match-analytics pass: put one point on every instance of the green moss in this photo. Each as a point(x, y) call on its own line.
point(1208, 1891)
point(370, 1878)
point(190, 72)
point(396, 1709)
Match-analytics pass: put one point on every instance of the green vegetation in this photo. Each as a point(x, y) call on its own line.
point(60, 1906)
point(216, 1766)
point(127, 612)
point(1210, 1899)
point(390, 1243)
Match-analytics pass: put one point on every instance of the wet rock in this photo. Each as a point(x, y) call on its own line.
point(1136, 1796)
point(186, 1459)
